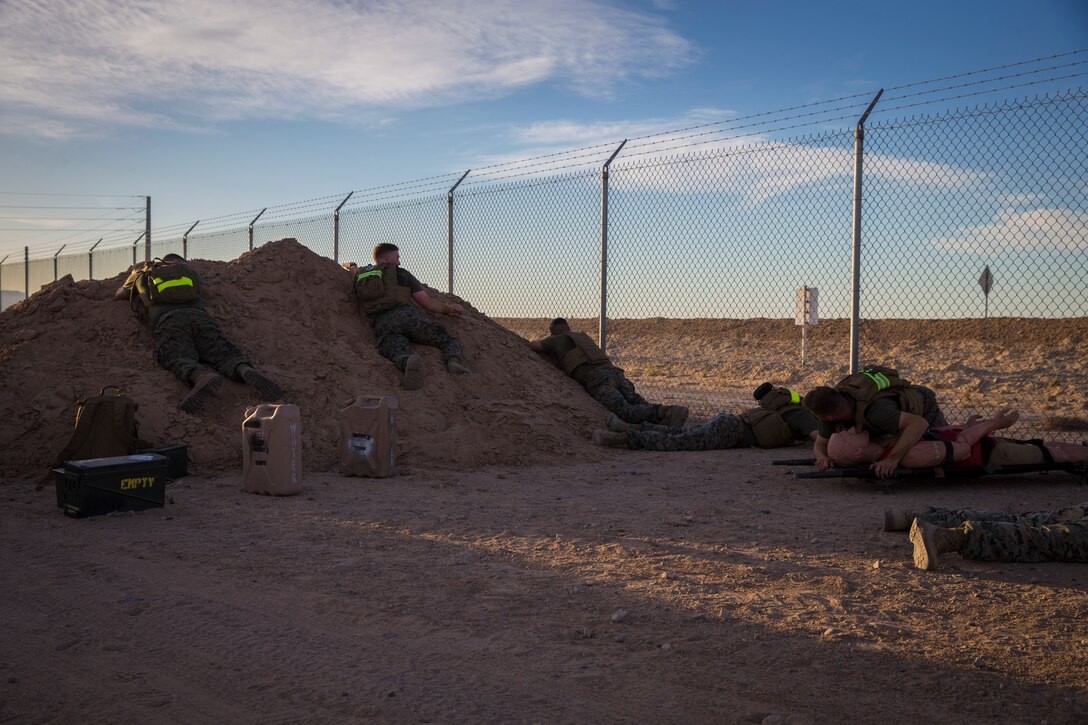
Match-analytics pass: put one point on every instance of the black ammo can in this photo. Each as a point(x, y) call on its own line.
point(122, 483)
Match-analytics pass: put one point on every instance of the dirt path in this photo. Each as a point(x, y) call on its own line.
point(746, 596)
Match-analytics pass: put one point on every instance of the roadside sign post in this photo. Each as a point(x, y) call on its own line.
point(805, 313)
point(986, 282)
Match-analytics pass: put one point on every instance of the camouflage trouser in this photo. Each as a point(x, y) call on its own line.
point(188, 337)
point(1060, 535)
point(930, 410)
point(407, 323)
point(721, 431)
point(608, 386)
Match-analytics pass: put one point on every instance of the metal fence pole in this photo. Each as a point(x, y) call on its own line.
point(602, 333)
point(251, 227)
point(90, 258)
point(336, 228)
point(449, 232)
point(26, 273)
point(134, 249)
point(147, 230)
point(2, 280)
point(855, 266)
point(185, 240)
point(55, 261)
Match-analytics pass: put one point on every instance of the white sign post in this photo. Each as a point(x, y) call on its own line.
point(805, 313)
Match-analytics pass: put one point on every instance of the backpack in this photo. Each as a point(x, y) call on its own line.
point(376, 290)
point(877, 381)
point(769, 429)
point(105, 426)
point(171, 283)
point(584, 352)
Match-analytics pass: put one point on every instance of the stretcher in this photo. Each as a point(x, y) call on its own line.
point(1077, 468)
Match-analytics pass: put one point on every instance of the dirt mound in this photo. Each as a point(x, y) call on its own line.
point(291, 312)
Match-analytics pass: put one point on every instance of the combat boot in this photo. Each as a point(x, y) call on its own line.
point(454, 366)
point(609, 439)
point(616, 424)
point(930, 541)
point(267, 389)
point(205, 383)
point(898, 520)
point(413, 373)
point(673, 416)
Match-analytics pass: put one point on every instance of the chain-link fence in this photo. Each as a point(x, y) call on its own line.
point(974, 223)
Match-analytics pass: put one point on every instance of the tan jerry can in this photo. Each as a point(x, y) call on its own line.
point(368, 436)
point(272, 449)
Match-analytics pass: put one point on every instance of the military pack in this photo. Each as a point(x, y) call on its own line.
point(168, 282)
point(877, 381)
point(105, 426)
point(376, 290)
point(585, 351)
point(769, 428)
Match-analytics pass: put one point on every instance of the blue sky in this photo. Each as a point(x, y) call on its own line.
point(213, 107)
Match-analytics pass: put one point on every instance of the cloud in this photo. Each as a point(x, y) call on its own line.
point(1052, 229)
point(80, 67)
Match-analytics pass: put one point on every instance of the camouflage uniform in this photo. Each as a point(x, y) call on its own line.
point(187, 335)
point(1060, 535)
point(608, 386)
point(403, 324)
point(721, 431)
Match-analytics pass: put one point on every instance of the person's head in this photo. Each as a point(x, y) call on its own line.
point(173, 257)
point(852, 447)
point(829, 405)
point(558, 326)
point(386, 252)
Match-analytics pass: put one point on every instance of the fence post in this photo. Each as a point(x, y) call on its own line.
point(185, 240)
point(134, 249)
point(602, 333)
point(449, 233)
point(26, 273)
point(147, 230)
point(855, 266)
point(336, 229)
point(90, 258)
point(2, 280)
point(55, 261)
point(251, 227)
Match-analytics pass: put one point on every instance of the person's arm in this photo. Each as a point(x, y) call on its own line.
point(819, 451)
point(911, 429)
point(427, 302)
point(124, 292)
point(536, 345)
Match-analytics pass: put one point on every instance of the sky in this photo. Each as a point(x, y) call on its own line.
point(213, 107)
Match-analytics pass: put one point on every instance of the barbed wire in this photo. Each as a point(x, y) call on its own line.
point(656, 144)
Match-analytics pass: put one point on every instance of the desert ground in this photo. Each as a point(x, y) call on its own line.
point(512, 571)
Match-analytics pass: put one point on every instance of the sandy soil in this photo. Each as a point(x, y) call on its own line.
point(512, 572)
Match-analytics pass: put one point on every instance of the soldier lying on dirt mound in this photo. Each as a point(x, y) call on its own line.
point(779, 421)
point(385, 293)
point(166, 294)
point(577, 355)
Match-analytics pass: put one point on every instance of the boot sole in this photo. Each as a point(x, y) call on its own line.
point(194, 401)
point(925, 552)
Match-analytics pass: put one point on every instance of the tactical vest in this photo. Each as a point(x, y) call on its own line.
point(780, 399)
point(376, 290)
point(769, 428)
point(874, 382)
point(169, 283)
point(585, 352)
